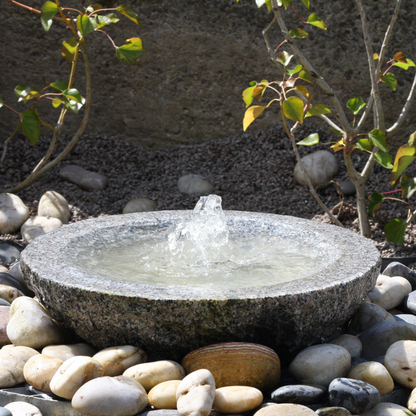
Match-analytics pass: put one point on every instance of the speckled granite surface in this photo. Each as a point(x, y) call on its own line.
point(169, 321)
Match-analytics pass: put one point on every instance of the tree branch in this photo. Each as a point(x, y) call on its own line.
point(319, 80)
point(404, 111)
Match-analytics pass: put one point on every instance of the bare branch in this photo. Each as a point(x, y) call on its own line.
point(387, 36)
point(404, 111)
point(379, 114)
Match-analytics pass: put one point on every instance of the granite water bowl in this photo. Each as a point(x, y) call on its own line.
point(170, 321)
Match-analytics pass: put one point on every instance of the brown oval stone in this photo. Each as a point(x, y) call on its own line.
point(237, 364)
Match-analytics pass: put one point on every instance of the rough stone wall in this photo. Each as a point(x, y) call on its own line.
point(200, 56)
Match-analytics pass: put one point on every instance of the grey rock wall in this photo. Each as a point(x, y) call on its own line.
point(200, 56)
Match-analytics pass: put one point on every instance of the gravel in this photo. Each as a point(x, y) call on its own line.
point(250, 171)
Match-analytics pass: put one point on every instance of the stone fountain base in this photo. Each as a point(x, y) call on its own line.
point(170, 321)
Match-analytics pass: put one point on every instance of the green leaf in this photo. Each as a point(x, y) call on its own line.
point(286, 3)
point(305, 76)
point(314, 20)
point(378, 138)
point(404, 157)
point(56, 102)
point(1, 102)
point(100, 21)
point(390, 80)
point(303, 90)
point(131, 52)
point(73, 106)
point(251, 114)
point(310, 140)
point(307, 3)
point(295, 70)
point(284, 58)
point(248, 95)
point(19, 89)
point(317, 110)
point(409, 413)
point(384, 159)
point(356, 104)
point(293, 109)
point(59, 85)
point(73, 94)
point(395, 231)
point(30, 126)
point(412, 139)
point(84, 24)
point(298, 33)
point(365, 145)
point(337, 132)
point(376, 200)
point(409, 63)
point(68, 49)
point(408, 186)
point(26, 93)
point(126, 11)
point(49, 10)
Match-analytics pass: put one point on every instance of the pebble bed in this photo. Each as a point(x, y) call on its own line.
point(366, 368)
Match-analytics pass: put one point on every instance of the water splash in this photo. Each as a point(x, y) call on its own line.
point(204, 238)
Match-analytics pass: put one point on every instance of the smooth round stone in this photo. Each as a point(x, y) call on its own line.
point(194, 185)
point(116, 360)
point(379, 337)
point(410, 302)
point(39, 370)
point(66, 351)
point(368, 315)
point(389, 292)
point(9, 293)
point(321, 166)
point(399, 269)
point(12, 362)
point(4, 269)
point(52, 204)
point(22, 409)
point(31, 325)
point(4, 302)
point(5, 412)
point(237, 399)
point(411, 403)
point(406, 317)
point(155, 372)
point(13, 213)
point(84, 179)
point(347, 188)
point(8, 280)
point(16, 272)
point(73, 373)
point(285, 409)
point(36, 226)
point(386, 409)
point(355, 395)
point(4, 320)
point(163, 395)
point(351, 343)
point(373, 373)
point(139, 205)
point(110, 396)
point(9, 251)
point(400, 361)
point(298, 393)
point(161, 412)
point(333, 411)
point(195, 394)
point(237, 364)
point(320, 364)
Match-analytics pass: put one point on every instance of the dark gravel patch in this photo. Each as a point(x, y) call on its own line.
point(250, 171)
